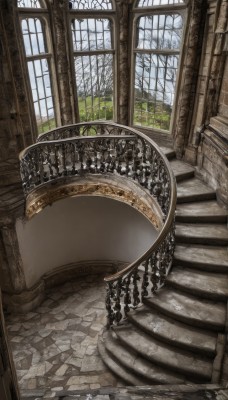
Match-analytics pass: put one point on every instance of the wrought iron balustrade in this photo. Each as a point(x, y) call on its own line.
point(108, 148)
point(85, 129)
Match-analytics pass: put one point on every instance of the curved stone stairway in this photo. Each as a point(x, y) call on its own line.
point(178, 335)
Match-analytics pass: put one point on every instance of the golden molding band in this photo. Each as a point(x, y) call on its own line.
point(40, 198)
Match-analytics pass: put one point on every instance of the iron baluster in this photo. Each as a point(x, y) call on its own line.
point(145, 281)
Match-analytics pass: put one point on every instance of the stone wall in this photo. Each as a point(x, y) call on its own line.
point(223, 98)
point(8, 380)
point(208, 135)
point(15, 134)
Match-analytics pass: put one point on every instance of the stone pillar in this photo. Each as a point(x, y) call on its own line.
point(63, 62)
point(8, 381)
point(217, 61)
point(15, 134)
point(212, 155)
point(13, 261)
point(16, 101)
point(123, 61)
point(210, 75)
point(189, 74)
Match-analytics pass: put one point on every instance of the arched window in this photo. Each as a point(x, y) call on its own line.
point(93, 51)
point(91, 4)
point(29, 3)
point(39, 57)
point(158, 37)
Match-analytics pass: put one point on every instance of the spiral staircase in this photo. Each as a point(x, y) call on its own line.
point(167, 311)
point(178, 335)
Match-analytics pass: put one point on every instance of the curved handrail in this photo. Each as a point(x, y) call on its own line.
point(127, 144)
point(79, 129)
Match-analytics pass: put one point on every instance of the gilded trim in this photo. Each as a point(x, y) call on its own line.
point(138, 199)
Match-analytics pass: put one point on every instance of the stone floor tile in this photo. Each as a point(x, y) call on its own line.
point(58, 341)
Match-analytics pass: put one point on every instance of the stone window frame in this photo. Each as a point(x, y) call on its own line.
point(138, 12)
point(43, 15)
point(96, 14)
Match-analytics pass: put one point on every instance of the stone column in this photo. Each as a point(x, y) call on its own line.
point(217, 60)
point(64, 70)
point(189, 74)
point(13, 71)
point(211, 116)
point(210, 77)
point(123, 61)
point(12, 260)
point(8, 380)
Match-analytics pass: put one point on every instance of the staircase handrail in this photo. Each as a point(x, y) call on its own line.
point(153, 172)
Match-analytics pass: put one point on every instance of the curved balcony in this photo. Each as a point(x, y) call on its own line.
point(106, 159)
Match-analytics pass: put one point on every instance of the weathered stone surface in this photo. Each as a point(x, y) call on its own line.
point(155, 392)
point(209, 258)
point(165, 355)
point(214, 234)
point(53, 347)
point(194, 190)
point(192, 310)
point(208, 285)
point(204, 211)
point(174, 332)
point(213, 163)
point(181, 170)
point(139, 366)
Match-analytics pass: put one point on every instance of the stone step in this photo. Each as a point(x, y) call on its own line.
point(213, 234)
point(174, 332)
point(116, 368)
point(209, 285)
point(204, 211)
point(181, 170)
point(139, 366)
point(169, 357)
point(206, 258)
point(184, 307)
point(169, 153)
point(194, 190)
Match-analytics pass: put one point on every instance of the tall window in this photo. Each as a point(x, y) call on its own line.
point(93, 60)
point(158, 37)
point(38, 58)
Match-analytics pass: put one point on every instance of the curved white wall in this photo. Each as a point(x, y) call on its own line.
point(82, 228)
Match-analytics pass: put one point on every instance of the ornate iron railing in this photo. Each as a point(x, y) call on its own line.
point(101, 148)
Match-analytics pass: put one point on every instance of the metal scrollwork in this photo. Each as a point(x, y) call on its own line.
point(106, 148)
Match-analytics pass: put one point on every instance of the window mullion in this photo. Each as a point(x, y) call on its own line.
point(157, 45)
point(96, 57)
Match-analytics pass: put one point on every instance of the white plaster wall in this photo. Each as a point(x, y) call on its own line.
point(82, 228)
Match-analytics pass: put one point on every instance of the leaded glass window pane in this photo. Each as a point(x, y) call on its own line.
point(152, 3)
point(32, 31)
point(39, 74)
point(29, 3)
point(155, 80)
point(91, 4)
point(94, 79)
point(94, 68)
point(38, 62)
point(159, 32)
point(158, 40)
point(91, 34)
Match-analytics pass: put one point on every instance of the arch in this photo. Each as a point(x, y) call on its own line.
point(38, 53)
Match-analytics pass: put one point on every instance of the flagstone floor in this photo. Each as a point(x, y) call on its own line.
point(55, 346)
